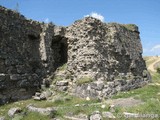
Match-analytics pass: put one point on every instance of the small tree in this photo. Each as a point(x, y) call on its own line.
point(158, 70)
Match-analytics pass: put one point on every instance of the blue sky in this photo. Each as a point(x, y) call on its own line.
point(144, 13)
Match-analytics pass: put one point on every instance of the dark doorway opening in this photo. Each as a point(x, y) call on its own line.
point(63, 53)
point(60, 50)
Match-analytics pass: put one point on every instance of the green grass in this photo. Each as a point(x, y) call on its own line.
point(63, 67)
point(35, 116)
point(149, 94)
point(156, 77)
point(150, 107)
point(84, 80)
point(60, 69)
point(129, 26)
point(145, 93)
point(22, 104)
point(81, 109)
point(65, 103)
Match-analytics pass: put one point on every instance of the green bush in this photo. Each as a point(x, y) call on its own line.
point(158, 70)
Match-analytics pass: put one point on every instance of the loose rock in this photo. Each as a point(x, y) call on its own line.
point(14, 111)
point(44, 111)
point(2, 118)
point(95, 116)
point(62, 83)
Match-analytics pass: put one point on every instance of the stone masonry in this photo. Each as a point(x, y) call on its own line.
point(28, 53)
point(108, 54)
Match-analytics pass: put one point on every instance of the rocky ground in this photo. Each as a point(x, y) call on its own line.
point(143, 103)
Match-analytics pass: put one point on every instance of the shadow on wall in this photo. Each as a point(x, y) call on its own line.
point(60, 48)
point(35, 55)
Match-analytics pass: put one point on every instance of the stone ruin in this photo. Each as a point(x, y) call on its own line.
point(100, 59)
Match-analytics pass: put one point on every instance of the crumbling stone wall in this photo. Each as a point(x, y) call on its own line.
point(103, 50)
point(19, 56)
point(108, 55)
point(26, 55)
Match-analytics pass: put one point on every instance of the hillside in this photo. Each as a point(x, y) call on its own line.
point(143, 102)
point(152, 63)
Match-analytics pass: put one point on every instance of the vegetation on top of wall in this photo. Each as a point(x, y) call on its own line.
point(130, 26)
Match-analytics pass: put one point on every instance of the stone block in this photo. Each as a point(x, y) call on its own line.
point(95, 116)
point(108, 115)
point(3, 77)
point(14, 111)
point(15, 77)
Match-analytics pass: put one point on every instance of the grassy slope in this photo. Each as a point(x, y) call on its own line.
point(150, 94)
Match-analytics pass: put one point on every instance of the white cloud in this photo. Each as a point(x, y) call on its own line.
point(155, 48)
point(96, 15)
point(46, 20)
point(145, 49)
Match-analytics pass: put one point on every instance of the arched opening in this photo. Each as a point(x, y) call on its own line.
point(60, 50)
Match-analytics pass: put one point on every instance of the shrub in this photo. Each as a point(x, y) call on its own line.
point(158, 70)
